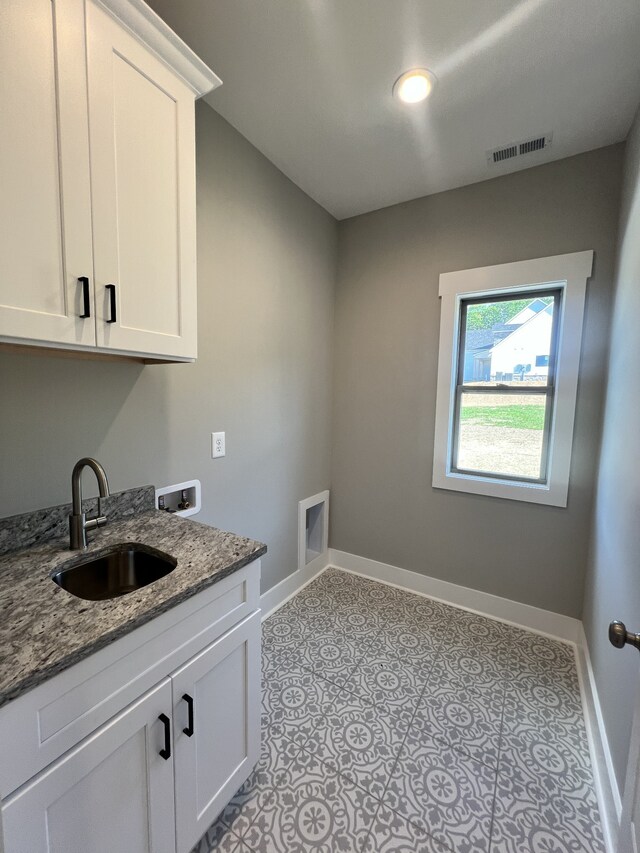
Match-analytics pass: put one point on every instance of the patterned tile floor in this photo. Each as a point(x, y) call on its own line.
point(396, 724)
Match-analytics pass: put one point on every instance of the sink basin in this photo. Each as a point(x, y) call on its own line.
point(110, 574)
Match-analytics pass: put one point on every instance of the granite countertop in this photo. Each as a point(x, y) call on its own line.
point(45, 630)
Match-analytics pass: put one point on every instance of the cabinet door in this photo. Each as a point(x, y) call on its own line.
point(143, 178)
point(222, 684)
point(113, 792)
point(44, 172)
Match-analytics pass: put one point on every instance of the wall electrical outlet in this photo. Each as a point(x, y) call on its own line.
point(217, 444)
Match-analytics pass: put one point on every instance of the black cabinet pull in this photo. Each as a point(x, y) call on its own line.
point(84, 281)
point(112, 302)
point(189, 729)
point(166, 722)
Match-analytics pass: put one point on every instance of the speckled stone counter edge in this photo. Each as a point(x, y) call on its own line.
point(44, 630)
point(45, 673)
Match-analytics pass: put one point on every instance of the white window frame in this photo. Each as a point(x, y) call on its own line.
point(569, 273)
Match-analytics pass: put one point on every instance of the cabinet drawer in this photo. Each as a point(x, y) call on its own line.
point(40, 726)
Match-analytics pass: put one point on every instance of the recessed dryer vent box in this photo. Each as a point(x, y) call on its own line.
point(181, 498)
point(313, 528)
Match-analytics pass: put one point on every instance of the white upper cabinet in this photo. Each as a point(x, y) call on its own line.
point(45, 200)
point(143, 178)
point(98, 178)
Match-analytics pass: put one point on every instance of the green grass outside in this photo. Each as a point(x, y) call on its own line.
point(516, 417)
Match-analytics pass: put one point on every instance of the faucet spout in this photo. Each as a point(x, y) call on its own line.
point(78, 522)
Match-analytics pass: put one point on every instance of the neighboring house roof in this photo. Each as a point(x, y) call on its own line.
point(477, 339)
point(503, 330)
point(526, 313)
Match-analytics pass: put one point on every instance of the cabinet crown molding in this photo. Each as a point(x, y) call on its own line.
point(152, 30)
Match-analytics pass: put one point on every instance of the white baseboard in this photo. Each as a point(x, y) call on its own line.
point(605, 780)
point(554, 625)
point(274, 598)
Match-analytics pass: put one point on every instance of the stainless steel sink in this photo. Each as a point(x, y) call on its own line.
point(123, 569)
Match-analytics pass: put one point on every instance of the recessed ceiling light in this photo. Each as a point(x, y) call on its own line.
point(414, 86)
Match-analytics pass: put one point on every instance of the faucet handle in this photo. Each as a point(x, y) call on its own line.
point(96, 521)
point(99, 519)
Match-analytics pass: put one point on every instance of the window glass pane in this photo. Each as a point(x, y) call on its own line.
point(508, 341)
point(502, 434)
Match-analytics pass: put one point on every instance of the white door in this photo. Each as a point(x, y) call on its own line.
point(629, 837)
point(44, 174)
point(142, 135)
point(216, 699)
point(114, 792)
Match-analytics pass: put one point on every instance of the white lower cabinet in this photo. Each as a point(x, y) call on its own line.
point(218, 742)
point(154, 776)
point(114, 792)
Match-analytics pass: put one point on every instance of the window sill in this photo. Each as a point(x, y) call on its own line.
point(508, 489)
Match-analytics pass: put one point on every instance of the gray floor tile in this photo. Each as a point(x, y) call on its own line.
point(359, 740)
point(331, 655)
point(535, 654)
point(396, 724)
point(388, 679)
point(443, 792)
point(533, 758)
point(466, 717)
point(357, 621)
point(219, 838)
point(281, 639)
point(473, 665)
point(393, 834)
point(472, 629)
point(530, 819)
point(293, 700)
point(380, 595)
point(280, 630)
point(545, 697)
point(212, 838)
point(335, 578)
point(424, 612)
point(564, 729)
point(276, 757)
point(410, 643)
point(304, 625)
point(313, 810)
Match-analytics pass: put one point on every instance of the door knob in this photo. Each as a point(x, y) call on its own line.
point(619, 636)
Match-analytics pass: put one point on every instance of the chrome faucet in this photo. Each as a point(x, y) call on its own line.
point(78, 522)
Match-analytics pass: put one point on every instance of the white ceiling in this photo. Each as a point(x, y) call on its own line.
point(308, 82)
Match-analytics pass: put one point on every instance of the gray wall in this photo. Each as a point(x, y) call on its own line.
point(613, 579)
point(266, 275)
point(387, 326)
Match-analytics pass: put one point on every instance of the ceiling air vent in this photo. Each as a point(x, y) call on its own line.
point(518, 149)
